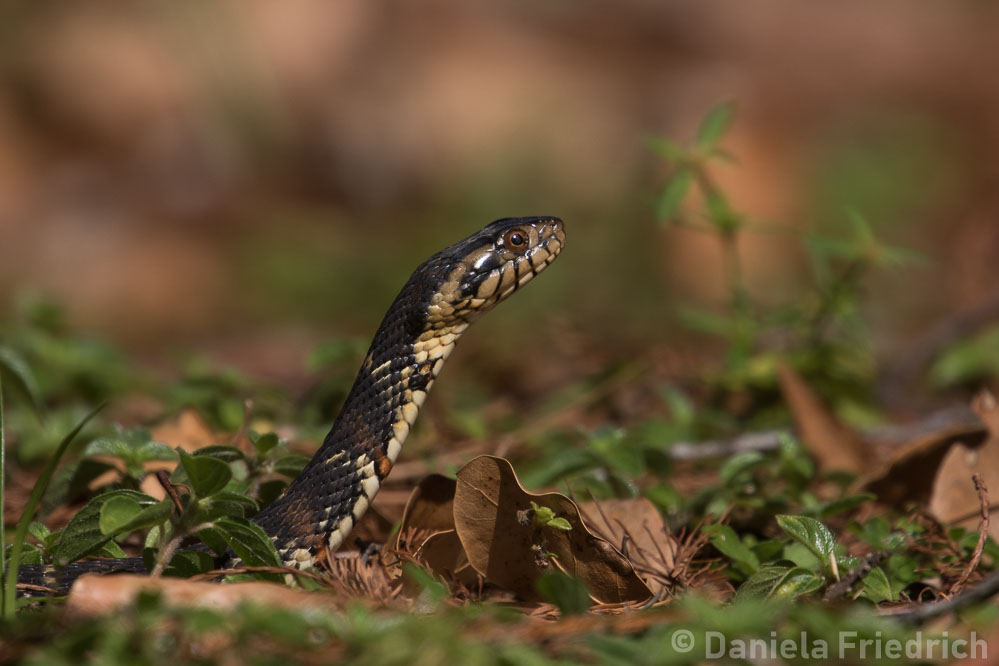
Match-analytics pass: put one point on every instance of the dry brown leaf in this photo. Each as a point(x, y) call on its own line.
point(430, 505)
point(429, 516)
point(638, 530)
point(954, 498)
point(444, 554)
point(492, 519)
point(834, 445)
point(94, 594)
point(909, 475)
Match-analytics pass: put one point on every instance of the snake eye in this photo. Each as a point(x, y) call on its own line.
point(516, 240)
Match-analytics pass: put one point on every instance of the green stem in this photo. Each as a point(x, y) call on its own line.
point(728, 234)
point(820, 320)
point(10, 583)
point(167, 551)
point(733, 267)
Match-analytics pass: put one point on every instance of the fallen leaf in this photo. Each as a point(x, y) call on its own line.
point(909, 474)
point(954, 498)
point(493, 519)
point(638, 530)
point(834, 445)
point(429, 518)
point(430, 505)
point(444, 554)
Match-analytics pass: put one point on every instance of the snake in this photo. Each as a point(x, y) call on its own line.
point(442, 298)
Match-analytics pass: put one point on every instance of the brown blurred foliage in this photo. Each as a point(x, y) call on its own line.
point(183, 171)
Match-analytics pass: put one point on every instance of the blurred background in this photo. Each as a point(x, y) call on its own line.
point(252, 178)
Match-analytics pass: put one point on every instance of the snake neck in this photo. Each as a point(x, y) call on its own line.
point(321, 506)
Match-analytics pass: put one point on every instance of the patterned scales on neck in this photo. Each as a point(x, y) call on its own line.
point(442, 298)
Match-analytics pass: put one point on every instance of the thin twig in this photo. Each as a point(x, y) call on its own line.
point(983, 534)
point(164, 480)
point(282, 570)
point(31, 587)
point(917, 614)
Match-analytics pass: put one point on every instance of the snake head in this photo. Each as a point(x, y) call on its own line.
point(464, 281)
point(490, 265)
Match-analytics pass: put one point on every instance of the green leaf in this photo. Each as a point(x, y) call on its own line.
point(843, 504)
point(720, 212)
point(731, 546)
point(39, 531)
point(674, 193)
point(559, 524)
point(154, 451)
point(545, 517)
point(665, 148)
point(14, 561)
point(264, 443)
point(739, 464)
point(31, 554)
point(110, 549)
point(566, 592)
point(431, 589)
point(16, 370)
point(810, 533)
point(227, 454)
point(116, 513)
point(782, 580)
point(268, 491)
point(133, 446)
point(876, 587)
point(705, 321)
point(83, 535)
point(248, 540)
point(149, 516)
point(714, 124)
point(113, 447)
point(291, 465)
point(797, 582)
point(207, 475)
point(766, 551)
point(187, 563)
point(226, 503)
point(681, 408)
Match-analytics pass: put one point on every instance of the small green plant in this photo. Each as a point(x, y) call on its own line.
point(542, 516)
point(21, 532)
point(569, 594)
point(219, 488)
point(821, 334)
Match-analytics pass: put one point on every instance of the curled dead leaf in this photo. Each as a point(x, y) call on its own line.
point(953, 498)
point(492, 516)
point(427, 529)
point(430, 505)
point(637, 529)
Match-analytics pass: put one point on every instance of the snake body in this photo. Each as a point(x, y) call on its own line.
point(442, 297)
